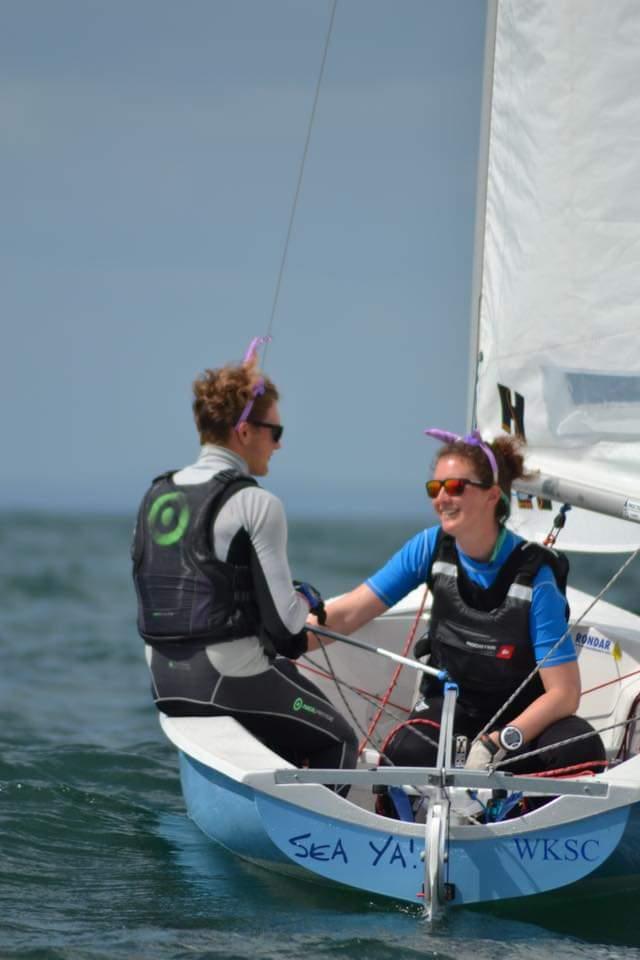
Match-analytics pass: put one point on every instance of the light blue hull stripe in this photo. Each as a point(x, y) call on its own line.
point(259, 827)
point(481, 870)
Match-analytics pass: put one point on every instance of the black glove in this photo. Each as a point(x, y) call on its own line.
point(289, 645)
point(313, 598)
point(423, 646)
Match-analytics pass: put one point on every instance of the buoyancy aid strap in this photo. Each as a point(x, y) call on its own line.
point(515, 578)
point(231, 482)
point(167, 475)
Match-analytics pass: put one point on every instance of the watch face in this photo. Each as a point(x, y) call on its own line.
point(511, 738)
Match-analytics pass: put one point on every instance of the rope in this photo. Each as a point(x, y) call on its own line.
point(411, 723)
point(608, 683)
point(572, 771)
point(373, 698)
point(625, 746)
point(303, 162)
point(338, 684)
point(394, 679)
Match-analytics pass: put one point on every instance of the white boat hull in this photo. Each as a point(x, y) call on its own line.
point(229, 784)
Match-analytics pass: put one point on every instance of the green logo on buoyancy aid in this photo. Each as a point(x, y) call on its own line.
point(168, 518)
point(299, 704)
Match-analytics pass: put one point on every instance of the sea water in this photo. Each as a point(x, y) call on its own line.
point(97, 857)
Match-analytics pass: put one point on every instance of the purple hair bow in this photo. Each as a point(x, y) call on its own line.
point(258, 389)
point(473, 438)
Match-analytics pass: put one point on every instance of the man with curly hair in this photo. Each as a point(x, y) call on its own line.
point(221, 617)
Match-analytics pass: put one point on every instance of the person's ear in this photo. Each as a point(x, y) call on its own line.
point(494, 495)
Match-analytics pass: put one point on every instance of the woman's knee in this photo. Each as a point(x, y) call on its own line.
point(583, 744)
point(410, 747)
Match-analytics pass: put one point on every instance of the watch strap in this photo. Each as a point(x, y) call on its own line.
point(487, 742)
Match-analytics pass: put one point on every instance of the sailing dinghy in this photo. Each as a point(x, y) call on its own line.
point(556, 346)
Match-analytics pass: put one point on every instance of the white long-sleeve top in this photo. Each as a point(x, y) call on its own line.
point(259, 515)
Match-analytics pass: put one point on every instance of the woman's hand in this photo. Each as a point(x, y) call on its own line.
point(347, 613)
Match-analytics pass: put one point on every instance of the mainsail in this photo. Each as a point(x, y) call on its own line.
point(559, 288)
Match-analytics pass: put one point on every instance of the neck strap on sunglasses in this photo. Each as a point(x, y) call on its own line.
point(472, 438)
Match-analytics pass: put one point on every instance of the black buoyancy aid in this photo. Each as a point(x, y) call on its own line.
point(482, 636)
point(184, 592)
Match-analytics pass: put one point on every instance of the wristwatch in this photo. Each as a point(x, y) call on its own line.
point(511, 738)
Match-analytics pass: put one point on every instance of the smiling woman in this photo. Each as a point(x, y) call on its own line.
point(217, 606)
point(498, 622)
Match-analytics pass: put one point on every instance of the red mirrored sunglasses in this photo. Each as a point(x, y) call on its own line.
point(453, 486)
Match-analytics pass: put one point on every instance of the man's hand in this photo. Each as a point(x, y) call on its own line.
point(313, 598)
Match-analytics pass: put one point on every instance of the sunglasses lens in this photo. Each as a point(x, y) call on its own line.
point(455, 488)
point(276, 433)
point(452, 486)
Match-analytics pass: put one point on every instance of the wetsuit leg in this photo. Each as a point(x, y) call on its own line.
point(290, 714)
point(416, 743)
point(285, 710)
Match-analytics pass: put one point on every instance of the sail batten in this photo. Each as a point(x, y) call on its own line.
point(559, 323)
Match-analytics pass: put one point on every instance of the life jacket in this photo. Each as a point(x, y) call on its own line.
point(481, 637)
point(184, 592)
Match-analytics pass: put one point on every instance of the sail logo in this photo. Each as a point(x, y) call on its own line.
point(557, 851)
point(512, 405)
point(592, 640)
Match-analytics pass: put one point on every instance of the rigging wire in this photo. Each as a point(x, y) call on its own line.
point(303, 162)
point(372, 699)
point(539, 666)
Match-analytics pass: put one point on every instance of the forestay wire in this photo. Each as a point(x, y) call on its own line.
point(303, 162)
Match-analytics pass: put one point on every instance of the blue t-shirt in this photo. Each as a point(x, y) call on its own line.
point(408, 568)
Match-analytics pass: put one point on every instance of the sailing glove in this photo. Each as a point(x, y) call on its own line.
point(483, 754)
point(313, 598)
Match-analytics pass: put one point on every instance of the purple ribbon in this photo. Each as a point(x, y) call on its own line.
point(252, 349)
point(472, 438)
point(258, 389)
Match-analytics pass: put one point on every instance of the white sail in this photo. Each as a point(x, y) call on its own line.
point(559, 312)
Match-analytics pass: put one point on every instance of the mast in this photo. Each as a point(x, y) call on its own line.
point(481, 207)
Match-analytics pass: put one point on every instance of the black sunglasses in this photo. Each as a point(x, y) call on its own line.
point(453, 486)
point(276, 428)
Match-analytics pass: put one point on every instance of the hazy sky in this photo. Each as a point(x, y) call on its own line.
point(150, 152)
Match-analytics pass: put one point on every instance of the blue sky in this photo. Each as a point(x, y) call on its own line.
point(150, 152)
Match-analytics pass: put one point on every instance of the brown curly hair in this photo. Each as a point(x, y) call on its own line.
point(221, 395)
point(509, 458)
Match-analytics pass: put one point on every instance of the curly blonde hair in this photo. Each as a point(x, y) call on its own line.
point(221, 395)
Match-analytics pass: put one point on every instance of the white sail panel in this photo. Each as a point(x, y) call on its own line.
point(559, 324)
